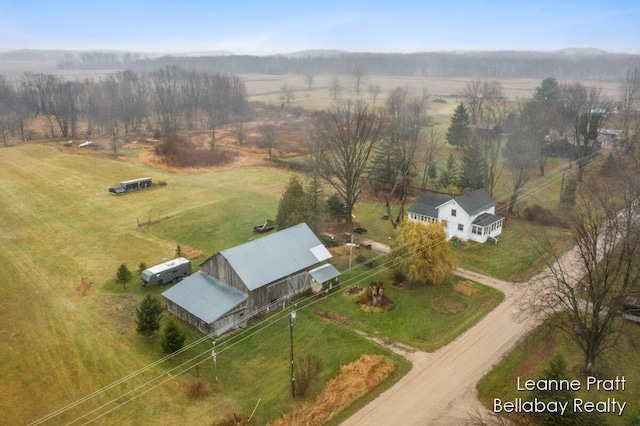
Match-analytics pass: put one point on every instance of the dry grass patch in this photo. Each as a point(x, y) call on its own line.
point(354, 380)
point(466, 288)
point(197, 390)
point(448, 305)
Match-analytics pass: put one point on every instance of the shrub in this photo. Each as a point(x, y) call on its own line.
point(172, 339)
point(123, 276)
point(148, 315)
point(308, 368)
point(179, 152)
point(197, 390)
point(543, 216)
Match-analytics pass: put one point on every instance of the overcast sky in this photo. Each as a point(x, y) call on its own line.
point(267, 27)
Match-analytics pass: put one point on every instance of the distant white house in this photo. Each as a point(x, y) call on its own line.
point(466, 217)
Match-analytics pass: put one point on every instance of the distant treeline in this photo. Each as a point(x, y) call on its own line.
point(97, 60)
point(565, 65)
point(165, 101)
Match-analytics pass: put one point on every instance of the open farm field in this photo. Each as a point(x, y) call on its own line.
point(267, 88)
point(60, 228)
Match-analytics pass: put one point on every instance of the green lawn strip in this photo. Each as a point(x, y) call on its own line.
point(424, 317)
point(531, 357)
point(516, 256)
point(253, 365)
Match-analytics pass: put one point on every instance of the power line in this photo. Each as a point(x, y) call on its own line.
point(527, 191)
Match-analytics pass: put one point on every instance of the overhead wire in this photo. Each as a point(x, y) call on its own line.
point(527, 191)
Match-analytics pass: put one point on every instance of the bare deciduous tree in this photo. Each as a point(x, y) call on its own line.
point(287, 93)
point(335, 88)
point(358, 75)
point(629, 109)
point(342, 140)
point(587, 111)
point(526, 131)
point(583, 297)
point(432, 145)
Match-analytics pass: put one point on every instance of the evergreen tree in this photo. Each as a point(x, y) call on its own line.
point(172, 339)
point(123, 276)
point(291, 210)
point(141, 267)
point(474, 167)
point(557, 370)
point(548, 91)
point(315, 204)
point(449, 176)
point(336, 208)
point(459, 133)
point(148, 314)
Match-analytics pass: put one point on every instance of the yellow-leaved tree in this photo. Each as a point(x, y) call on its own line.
point(421, 253)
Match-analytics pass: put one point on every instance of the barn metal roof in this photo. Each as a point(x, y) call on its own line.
point(324, 273)
point(275, 256)
point(204, 296)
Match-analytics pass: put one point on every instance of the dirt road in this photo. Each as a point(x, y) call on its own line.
point(441, 387)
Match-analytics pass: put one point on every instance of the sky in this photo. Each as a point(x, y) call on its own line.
point(271, 27)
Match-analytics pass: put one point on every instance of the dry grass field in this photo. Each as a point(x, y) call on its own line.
point(60, 229)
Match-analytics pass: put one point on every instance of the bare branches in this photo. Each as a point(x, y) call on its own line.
point(583, 292)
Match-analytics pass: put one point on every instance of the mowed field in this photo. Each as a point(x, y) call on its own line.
point(59, 226)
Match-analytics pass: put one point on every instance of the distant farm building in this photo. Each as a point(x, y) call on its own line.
point(266, 271)
point(467, 217)
point(131, 185)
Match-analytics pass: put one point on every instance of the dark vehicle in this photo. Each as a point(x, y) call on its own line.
point(631, 309)
point(329, 240)
point(265, 227)
point(360, 231)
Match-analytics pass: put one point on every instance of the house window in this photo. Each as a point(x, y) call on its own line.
point(453, 212)
point(460, 227)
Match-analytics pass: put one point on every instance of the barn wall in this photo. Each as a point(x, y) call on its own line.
point(234, 319)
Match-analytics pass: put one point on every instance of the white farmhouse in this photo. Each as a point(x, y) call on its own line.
point(466, 217)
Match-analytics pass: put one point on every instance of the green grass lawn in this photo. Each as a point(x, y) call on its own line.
point(532, 356)
point(424, 317)
point(60, 226)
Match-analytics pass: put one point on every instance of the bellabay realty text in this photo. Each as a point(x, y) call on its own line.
point(577, 405)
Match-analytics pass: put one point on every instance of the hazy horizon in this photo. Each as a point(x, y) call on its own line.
point(282, 27)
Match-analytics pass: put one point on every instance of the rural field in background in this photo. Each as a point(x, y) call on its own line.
point(60, 227)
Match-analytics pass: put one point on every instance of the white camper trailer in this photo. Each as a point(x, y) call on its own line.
point(173, 270)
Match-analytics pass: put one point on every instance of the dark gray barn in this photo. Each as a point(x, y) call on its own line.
point(270, 268)
point(235, 284)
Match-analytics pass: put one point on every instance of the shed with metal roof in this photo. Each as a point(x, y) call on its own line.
point(206, 303)
point(271, 268)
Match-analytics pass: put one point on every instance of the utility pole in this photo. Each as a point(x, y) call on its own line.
point(292, 317)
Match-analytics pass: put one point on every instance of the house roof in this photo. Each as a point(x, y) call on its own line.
point(324, 273)
point(476, 202)
point(204, 296)
point(427, 204)
point(486, 219)
point(275, 256)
